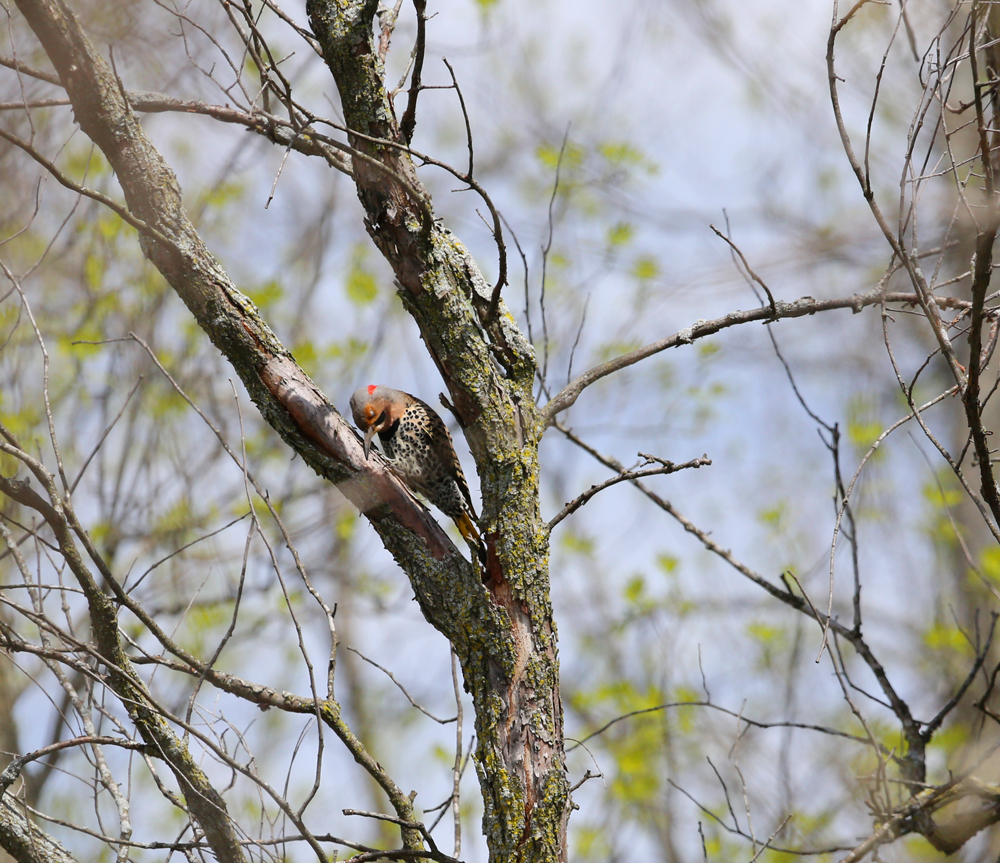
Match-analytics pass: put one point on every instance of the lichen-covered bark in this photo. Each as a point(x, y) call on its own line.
point(281, 390)
point(204, 801)
point(229, 319)
point(507, 643)
point(23, 840)
point(503, 632)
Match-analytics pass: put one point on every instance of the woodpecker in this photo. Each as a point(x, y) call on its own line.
point(418, 445)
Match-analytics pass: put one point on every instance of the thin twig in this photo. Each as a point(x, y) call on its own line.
point(456, 774)
point(666, 467)
point(13, 770)
point(566, 397)
point(737, 251)
point(401, 688)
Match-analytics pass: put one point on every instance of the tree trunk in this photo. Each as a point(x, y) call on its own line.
point(502, 632)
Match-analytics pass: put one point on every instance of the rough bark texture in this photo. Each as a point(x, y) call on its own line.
point(8, 743)
point(512, 671)
point(229, 319)
point(25, 842)
point(204, 801)
point(503, 633)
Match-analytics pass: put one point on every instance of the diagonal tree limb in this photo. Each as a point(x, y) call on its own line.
point(498, 636)
point(488, 368)
point(24, 840)
point(205, 803)
point(982, 274)
point(280, 389)
point(566, 397)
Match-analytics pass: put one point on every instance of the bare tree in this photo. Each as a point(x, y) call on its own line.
point(124, 671)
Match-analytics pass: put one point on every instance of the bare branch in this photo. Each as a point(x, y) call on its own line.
point(13, 770)
point(914, 766)
point(746, 266)
point(25, 69)
point(409, 121)
point(401, 688)
point(712, 706)
point(700, 329)
point(666, 467)
point(457, 768)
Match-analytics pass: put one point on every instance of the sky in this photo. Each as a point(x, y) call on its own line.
point(676, 116)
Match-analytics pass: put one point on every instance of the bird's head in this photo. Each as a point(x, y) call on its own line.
point(376, 408)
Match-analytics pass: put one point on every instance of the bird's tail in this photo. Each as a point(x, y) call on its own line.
point(471, 535)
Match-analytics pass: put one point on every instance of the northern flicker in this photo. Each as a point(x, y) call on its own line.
point(418, 445)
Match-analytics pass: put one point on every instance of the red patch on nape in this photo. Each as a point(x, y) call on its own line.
point(371, 388)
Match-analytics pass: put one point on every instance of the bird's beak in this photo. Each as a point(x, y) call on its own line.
point(368, 440)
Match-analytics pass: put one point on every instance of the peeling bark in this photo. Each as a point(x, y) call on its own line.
point(511, 668)
point(503, 633)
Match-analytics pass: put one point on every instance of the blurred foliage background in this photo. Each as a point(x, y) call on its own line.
point(611, 136)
